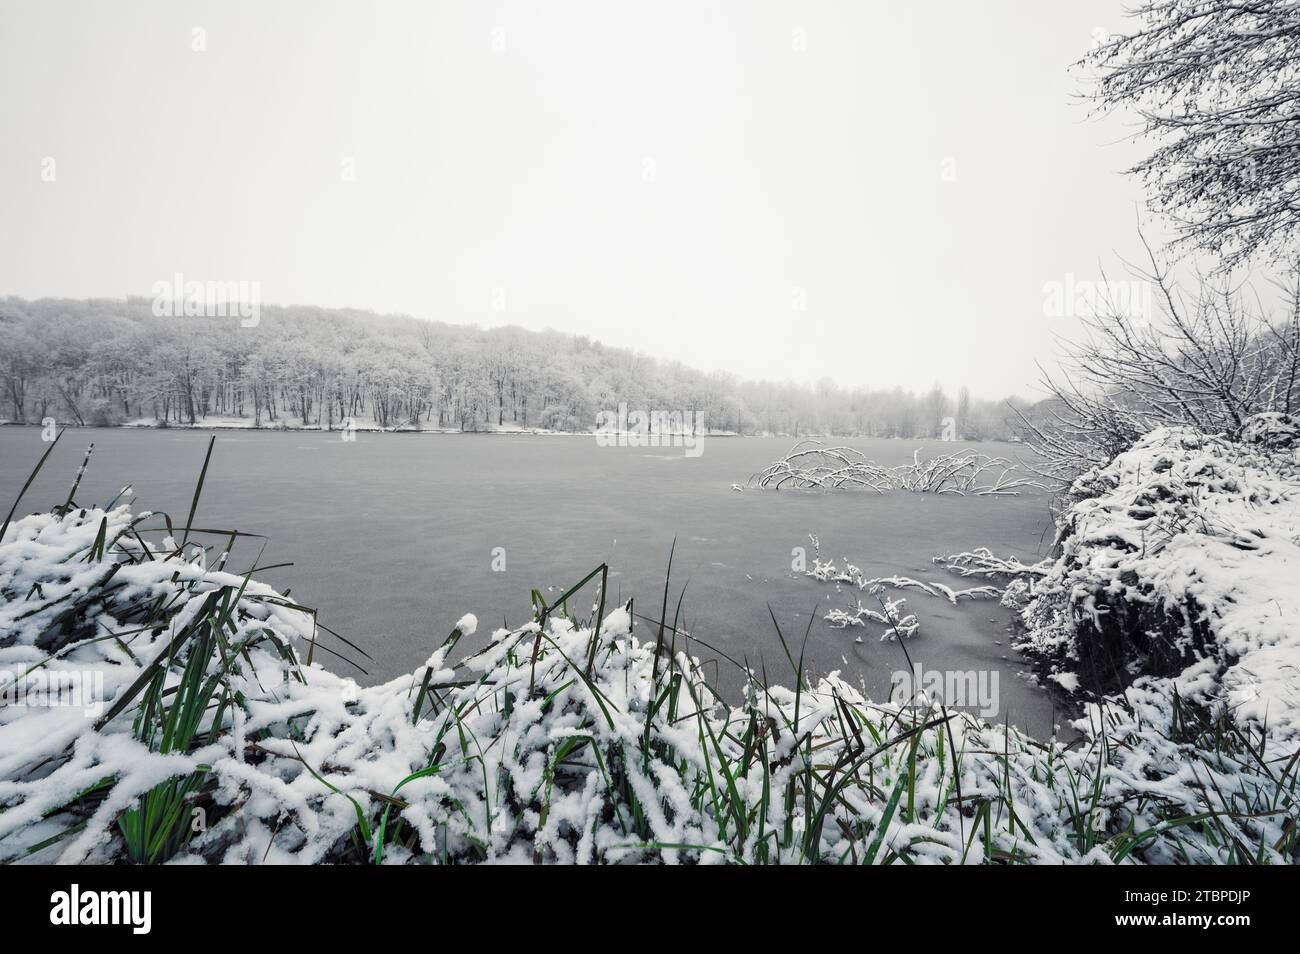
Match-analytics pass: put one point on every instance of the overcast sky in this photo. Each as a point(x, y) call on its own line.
point(873, 191)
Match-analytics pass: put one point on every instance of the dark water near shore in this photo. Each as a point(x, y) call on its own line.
point(392, 537)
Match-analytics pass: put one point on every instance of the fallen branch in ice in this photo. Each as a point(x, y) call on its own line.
point(982, 562)
point(827, 571)
point(809, 464)
point(893, 617)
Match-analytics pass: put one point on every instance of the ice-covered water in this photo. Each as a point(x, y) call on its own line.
point(394, 537)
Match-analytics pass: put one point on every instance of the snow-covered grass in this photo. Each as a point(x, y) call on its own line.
point(583, 736)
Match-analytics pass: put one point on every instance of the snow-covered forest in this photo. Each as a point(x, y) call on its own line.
point(110, 362)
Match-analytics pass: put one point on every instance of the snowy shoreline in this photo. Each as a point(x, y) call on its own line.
point(594, 738)
point(1177, 577)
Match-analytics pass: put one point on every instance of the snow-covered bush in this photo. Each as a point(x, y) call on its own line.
point(1209, 356)
point(1180, 561)
point(566, 740)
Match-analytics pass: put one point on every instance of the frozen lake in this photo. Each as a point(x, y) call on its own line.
point(392, 537)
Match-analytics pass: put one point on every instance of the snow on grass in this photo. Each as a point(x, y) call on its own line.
point(566, 740)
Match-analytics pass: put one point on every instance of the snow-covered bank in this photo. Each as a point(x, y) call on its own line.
point(1178, 574)
point(566, 740)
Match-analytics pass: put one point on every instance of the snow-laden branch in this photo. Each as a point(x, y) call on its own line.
point(810, 464)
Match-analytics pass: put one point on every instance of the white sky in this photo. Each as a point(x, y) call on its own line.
point(517, 176)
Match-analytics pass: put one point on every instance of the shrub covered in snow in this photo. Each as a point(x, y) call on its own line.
point(565, 740)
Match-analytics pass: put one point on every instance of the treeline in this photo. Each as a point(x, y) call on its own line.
point(107, 362)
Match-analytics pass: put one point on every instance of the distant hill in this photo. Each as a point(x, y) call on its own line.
point(106, 362)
